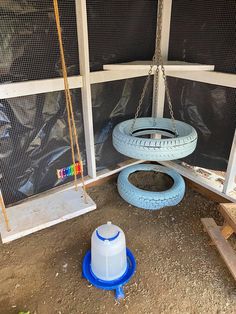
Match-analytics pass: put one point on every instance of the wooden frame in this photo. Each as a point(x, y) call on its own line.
point(219, 235)
point(86, 78)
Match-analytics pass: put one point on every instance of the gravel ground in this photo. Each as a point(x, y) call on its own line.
point(177, 270)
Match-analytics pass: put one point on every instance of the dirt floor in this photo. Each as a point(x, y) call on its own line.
point(177, 270)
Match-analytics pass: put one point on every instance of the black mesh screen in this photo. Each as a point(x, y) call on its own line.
point(114, 102)
point(29, 43)
point(121, 31)
point(203, 31)
point(34, 141)
point(211, 110)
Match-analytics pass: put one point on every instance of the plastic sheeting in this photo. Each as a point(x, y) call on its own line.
point(204, 32)
point(211, 110)
point(29, 47)
point(34, 141)
point(114, 102)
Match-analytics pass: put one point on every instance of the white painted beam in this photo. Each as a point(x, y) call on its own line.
point(169, 66)
point(11, 90)
point(115, 75)
point(158, 100)
point(209, 77)
point(231, 169)
point(82, 31)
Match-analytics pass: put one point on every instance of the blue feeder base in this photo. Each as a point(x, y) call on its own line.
point(117, 284)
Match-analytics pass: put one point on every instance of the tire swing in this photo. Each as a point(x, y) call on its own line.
point(180, 141)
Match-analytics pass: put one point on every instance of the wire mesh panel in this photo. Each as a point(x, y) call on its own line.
point(114, 102)
point(34, 141)
point(211, 109)
point(29, 47)
point(203, 31)
point(121, 31)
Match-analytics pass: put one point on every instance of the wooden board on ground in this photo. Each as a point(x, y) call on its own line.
point(224, 248)
point(228, 210)
point(40, 213)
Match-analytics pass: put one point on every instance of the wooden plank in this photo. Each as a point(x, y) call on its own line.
point(197, 178)
point(224, 248)
point(108, 76)
point(211, 195)
point(226, 231)
point(169, 66)
point(228, 210)
point(38, 214)
point(11, 90)
point(82, 31)
point(209, 77)
point(166, 18)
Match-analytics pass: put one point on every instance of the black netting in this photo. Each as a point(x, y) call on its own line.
point(28, 40)
point(121, 31)
point(211, 110)
point(34, 141)
point(203, 31)
point(114, 102)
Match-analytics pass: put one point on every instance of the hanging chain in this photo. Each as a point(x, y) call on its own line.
point(158, 61)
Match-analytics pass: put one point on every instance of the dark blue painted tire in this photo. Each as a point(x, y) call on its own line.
point(147, 199)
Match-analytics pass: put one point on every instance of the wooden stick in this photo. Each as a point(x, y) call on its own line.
point(4, 213)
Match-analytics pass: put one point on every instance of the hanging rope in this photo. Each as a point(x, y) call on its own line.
point(69, 107)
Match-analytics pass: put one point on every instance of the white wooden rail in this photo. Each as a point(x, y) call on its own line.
point(82, 32)
point(230, 179)
point(199, 73)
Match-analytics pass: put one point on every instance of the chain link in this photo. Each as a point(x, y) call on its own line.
point(158, 61)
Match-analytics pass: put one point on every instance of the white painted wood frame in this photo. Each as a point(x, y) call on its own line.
point(82, 33)
point(86, 78)
point(230, 178)
point(158, 104)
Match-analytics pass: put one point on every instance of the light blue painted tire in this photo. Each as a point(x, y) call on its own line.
point(154, 149)
point(150, 200)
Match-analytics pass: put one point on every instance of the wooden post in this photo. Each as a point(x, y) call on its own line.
point(82, 32)
point(158, 104)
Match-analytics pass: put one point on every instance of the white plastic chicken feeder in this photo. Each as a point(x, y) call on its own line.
point(109, 264)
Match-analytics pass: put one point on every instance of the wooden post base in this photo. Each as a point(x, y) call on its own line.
point(219, 235)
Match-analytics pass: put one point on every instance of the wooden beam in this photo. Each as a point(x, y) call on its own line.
point(224, 248)
point(114, 75)
point(209, 77)
point(11, 90)
point(82, 32)
point(230, 177)
point(170, 66)
point(226, 231)
point(197, 178)
point(211, 195)
point(228, 211)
